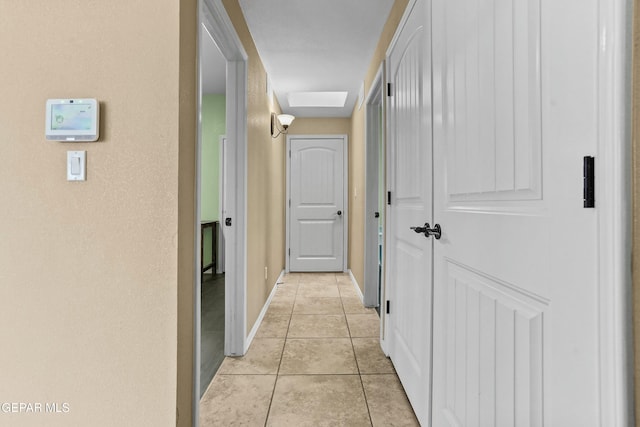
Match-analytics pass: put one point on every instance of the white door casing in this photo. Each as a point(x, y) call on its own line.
point(408, 284)
point(614, 201)
point(222, 201)
point(214, 19)
point(374, 140)
point(317, 209)
point(515, 272)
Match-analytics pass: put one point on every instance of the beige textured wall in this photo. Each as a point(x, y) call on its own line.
point(186, 209)
point(265, 180)
point(89, 271)
point(357, 196)
point(320, 126)
point(636, 202)
point(357, 151)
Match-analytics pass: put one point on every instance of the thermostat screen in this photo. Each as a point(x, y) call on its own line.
point(71, 117)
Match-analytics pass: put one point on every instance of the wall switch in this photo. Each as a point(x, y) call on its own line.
point(76, 165)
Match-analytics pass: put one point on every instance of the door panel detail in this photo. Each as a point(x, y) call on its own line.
point(315, 164)
point(492, 324)
point(515, 276)
point(316, 239)
point(494, 88)
point(409, 150)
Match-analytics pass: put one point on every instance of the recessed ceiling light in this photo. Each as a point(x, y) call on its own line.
point(317, 99)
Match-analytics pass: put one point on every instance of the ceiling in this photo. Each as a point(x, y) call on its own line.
point(213, 66)
point(316, 45)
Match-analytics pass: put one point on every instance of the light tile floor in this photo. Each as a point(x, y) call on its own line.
point(315, 361)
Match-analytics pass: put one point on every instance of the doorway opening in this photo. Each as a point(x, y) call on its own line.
point(222, 245)
point(374, 193)
point(212, 131)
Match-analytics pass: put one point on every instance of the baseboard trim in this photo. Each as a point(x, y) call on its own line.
point(256, 325)
point(355, 284)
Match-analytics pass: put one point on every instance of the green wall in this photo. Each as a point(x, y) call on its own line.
point(213, 126)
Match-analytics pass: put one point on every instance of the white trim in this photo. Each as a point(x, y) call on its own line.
point(373, 133)
point(221, 29)
point(213, 16)
point(356, 286)
point(197, 319)
point(388, 226)
point(361, 95)
point(613, 201)
point(287, 206)
point(263, 312)
point(345, 197)
point(221, 202)
point(384, 316)
point(401, 24)
point(236, 241)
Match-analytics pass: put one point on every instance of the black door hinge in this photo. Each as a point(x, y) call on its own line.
point(589, 178)
point(227, 222)
point(388, 89)
point(389, 197)
point(388, 303)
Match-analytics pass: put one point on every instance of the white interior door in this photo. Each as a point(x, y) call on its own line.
point(515, 283)
point(317, 213)
point(222, 202)
point(410, 254)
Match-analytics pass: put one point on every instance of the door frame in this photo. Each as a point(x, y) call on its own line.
point(374, 131)
point(345, 195)
point(389, 230)
point(613, 199)
point(222, 165)
point(390, 343)
point(213, 16)
point(220, 27)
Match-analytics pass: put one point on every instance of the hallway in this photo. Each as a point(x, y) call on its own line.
point(315, 361)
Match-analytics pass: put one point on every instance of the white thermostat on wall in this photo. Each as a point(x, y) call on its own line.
point(72, 119)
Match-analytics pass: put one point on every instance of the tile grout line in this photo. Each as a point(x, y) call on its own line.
point(269, 395)
point(278, 375)
point(355, 357)
point(275, 383)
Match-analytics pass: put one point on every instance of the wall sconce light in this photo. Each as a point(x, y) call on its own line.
point(284, 120)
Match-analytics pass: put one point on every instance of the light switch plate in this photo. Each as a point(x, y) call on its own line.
point(76, 165)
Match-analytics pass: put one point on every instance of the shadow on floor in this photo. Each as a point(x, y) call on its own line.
point(212, 328)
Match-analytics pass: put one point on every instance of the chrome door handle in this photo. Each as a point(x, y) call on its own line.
point(436, 231)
